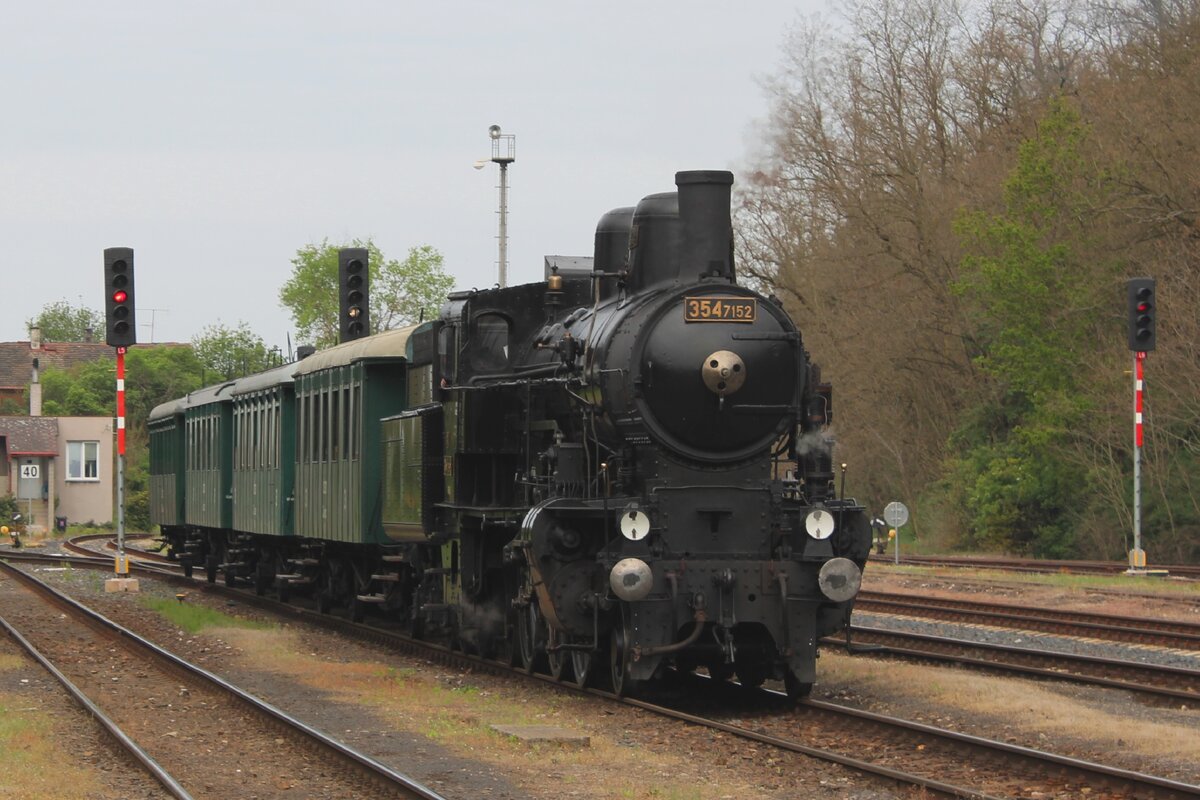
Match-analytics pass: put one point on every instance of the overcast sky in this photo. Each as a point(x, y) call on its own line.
point(216, 138)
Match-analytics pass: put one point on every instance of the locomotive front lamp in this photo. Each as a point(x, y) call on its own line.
point(631, 579)
point(819, 524)
point(839, 579)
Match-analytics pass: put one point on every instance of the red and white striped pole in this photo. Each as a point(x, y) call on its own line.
point(122, 565)
point(1137, 556)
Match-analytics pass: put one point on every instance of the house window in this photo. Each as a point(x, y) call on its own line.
point(83, 461)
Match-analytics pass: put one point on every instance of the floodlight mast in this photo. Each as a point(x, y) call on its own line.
point(504, 152)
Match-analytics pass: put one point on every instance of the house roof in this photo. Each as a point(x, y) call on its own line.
point(30, 436)
point(16, 359)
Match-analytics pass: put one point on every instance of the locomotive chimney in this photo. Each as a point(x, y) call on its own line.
point(612, 246)
point(707, 229)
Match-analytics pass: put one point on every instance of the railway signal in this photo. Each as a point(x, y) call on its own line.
point(1141, 304)
point(120, 328)
point(354, 317)
point(120, 331)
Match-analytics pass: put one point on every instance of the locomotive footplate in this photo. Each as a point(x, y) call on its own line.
point(759, 612)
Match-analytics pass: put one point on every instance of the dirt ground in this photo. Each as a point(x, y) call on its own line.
point(436, 724)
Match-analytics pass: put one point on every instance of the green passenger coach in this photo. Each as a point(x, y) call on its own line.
point(264, 452)
point(166, 464)
point(341, 394)
point(208, 468)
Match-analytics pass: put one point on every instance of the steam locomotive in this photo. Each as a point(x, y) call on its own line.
point(621, 468)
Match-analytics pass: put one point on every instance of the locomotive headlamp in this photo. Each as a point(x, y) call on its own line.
point(839, 579)
point(631, 579)
point(819, 524)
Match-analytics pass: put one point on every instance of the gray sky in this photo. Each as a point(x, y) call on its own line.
point(216, 138)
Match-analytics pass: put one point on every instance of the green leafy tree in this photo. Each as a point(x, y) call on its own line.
point(1035, 299)
point(401, 291)
point(62, 322)
point(226, 352)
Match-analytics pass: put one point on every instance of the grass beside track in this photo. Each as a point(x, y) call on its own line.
point(195, 618)
point(32, 762)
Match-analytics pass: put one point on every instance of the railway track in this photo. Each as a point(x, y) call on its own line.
point(937, 762)
point(145, 697)
point(1153, 682)
point(1190, 571)
point(1136, 630)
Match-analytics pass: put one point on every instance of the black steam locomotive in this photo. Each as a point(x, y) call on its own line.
point(621, 465)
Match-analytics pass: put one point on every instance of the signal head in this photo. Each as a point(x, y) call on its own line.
point(353, 294)
point(1140, 294)
point(120, 329)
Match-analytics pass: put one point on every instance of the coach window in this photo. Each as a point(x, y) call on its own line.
point(447, 356)
point(335, 425)
point(345, 423)
point(489, 348)
point(352, 417)
point(298, 427)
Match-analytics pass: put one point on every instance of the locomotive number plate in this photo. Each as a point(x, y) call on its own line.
point(720, 309)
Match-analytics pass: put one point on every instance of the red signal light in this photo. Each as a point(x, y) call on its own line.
point(119, 296)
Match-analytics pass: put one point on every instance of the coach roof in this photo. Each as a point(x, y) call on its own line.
point(280, 376)
point(391, 344)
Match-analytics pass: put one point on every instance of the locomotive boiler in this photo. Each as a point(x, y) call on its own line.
point(619, 469)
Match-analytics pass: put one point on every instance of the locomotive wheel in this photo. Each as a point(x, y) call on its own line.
point(358, 610)
point(531, 636)
point(187, 567)
point(210, 569)
point(582, 662)
point(559, 659)
point(796, 689)
point(619, 660)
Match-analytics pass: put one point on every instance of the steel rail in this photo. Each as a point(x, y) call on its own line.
point(1133, 783)
point(106, 722)
point(1152, 680)
point(1035, 565)
point(363, 763)
point(1182, 635)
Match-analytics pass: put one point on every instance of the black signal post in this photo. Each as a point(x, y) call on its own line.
point(354, 316)
point(120, 325)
